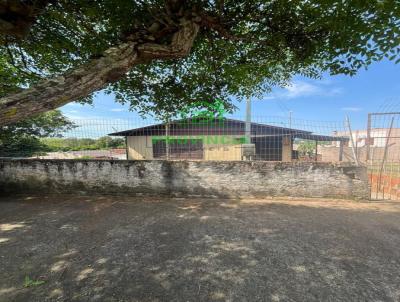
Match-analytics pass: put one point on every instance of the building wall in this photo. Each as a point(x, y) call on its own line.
point(378, 136)
point(222, 150)
point(184, 178)
point(139, 147)
point(215, 148)
point(331, 153)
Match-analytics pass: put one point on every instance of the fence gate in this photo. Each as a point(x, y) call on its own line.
point(383, 155)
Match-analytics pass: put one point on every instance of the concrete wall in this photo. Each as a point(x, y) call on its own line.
point(185, 178)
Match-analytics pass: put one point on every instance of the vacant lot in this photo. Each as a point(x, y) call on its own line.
point(76, 248)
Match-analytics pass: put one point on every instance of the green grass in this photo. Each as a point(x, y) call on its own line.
point(28, 282)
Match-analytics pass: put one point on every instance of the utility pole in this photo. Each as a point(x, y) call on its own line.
point(248, 149)
point(368, 142)
point(248, 121)
point(167, 139)
point(352, 141)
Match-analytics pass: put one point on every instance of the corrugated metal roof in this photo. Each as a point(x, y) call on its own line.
point(207, 127)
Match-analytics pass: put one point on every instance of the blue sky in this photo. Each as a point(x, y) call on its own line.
point(328, 99)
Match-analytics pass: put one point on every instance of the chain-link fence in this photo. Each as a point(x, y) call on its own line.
point(381, 146)
point(264, 138)
point(201, 138)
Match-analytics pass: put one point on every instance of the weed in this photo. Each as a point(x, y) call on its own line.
point(28, 282)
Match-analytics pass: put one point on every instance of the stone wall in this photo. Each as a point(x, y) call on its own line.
point(184, 178)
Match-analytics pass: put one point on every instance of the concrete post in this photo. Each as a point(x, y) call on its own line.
point(287, 148)
point(341, 150)
point(248, 121)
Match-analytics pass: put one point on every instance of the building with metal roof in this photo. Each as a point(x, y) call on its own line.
point(216, 139)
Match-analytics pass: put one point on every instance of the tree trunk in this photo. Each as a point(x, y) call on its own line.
point(17, 17)
point(93, 76)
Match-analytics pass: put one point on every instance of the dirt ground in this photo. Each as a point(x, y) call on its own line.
point(110, 248)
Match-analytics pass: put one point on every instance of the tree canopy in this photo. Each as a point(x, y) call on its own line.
point(23, 138)
point(163, 56)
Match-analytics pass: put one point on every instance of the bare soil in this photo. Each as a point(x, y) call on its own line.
point(113, 248)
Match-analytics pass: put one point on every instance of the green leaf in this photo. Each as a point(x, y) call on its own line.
point(28, 282)
point(273, 41)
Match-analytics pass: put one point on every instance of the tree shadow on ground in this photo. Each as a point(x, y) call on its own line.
point(103, 248)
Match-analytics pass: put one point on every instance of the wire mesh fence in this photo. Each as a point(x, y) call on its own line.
point(382, 154)
point(204, 138)
point(200, 138)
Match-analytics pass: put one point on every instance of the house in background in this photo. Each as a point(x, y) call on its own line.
point(215, 139)
point(379, 139)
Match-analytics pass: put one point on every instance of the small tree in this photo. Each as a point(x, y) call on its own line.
point(117, 143)
point(23, 138)
point(106, 142)
point(306, 148)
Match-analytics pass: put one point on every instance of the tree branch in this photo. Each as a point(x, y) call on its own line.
point(18, 16)
point(180, 45)
point(216, 25)
point(93, 76)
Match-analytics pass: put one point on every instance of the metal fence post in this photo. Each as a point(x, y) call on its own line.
point(352, 141)
point(368, 142)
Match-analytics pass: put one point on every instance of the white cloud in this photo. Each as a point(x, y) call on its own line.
point(117, 110)
point(269, 97)
point(299, 88)
point(303, 89)
point(353, 109)
point(78, 117)
point(73, 105)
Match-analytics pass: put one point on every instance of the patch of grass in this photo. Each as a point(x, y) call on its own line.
point(28, 282)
